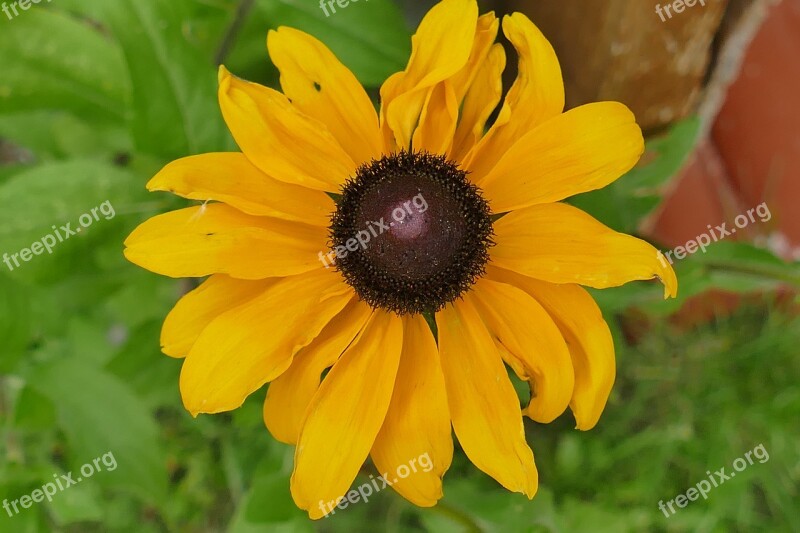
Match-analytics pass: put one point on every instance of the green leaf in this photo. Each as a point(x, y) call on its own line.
point(466, 507)
point(89, 10)
point(151, 374)
point(28, 521)
point(623, 204)
point(61, 63)
point(81, 503)
point(127, 305)
point(8, 171)
point(56, 194)
point(269, 502)
point(175, 111)
point(15, 326)
point(370, 37)
point(34, 411)
point(585, 516)
point(90, 338)
point(99, 414)
point(57, 135)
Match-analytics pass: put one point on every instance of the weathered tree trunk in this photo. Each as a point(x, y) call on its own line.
point(623, 50)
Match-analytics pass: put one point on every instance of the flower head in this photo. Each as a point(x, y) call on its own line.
point(438, 212)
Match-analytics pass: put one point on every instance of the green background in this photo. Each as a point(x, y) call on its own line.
point(95, 97)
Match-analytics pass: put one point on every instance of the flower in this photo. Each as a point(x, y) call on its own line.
point(436, 215)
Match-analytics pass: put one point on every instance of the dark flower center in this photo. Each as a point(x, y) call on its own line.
point(410, 232)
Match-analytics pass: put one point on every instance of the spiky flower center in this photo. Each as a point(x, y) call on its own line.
point(410, 232)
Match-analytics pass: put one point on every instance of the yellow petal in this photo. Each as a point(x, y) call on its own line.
point(232, 179)
point(439, 49)
point(481, 99)
point(345, 415)
point(390, 91)
point(485, 35)
point(588, 337)
point(320, 86)
point(218, 239)
point(415, 444)
point(437, 123)
point(402, 117)
point(584, 149)
point(439, 117)
point(483, 404)
point(529, 335)
point(289, 395)
point(280, 140)
point(443, 42)
point(197, 308)
point(536, 96)
point(254, 343)
point(562, 244)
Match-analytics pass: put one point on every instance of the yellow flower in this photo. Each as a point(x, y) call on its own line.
point(415, 228)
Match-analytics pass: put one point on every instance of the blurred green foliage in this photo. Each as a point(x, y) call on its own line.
point(97, 96)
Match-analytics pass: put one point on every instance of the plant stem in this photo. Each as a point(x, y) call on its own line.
point(456, 515)
point(769, 272)
point(230, 36)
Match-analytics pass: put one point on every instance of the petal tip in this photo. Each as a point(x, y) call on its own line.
point(222, 74)
point(670, 282)
point(156, 183)
point(585, 425)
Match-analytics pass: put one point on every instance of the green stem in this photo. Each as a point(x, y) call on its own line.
point(230, 36)
point(456, 515)
point(766, 271)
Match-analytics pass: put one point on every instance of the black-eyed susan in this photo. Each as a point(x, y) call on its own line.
point(301, 283)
